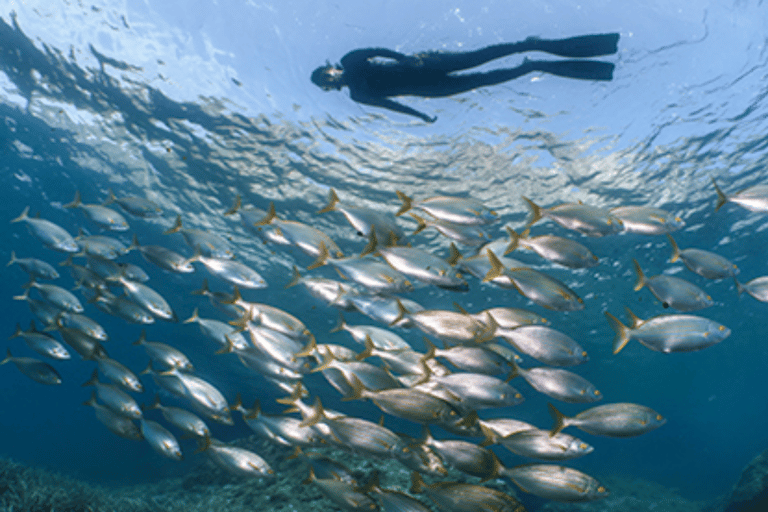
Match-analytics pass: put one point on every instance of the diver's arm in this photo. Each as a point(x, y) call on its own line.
point(357, 56)
point(392, 105)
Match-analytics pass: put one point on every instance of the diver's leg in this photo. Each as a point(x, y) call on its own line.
point(592, 45)
point(579, 69)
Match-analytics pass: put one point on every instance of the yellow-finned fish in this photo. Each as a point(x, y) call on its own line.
point(557, 483)
point(545, 344)
point(36, 370)
point(365, 220)
point(450, 209)
point(235, 459)
point(757, 288)
point(117, 424)
point(103, 216)
point(559, 384)
point(162, 441)
point(585, 219)
point(668, 333)
point(673, 292)
point(754, 198)
point(467, 234)
point(647, 220)
point(563, 251)
point(467, 457)
point(538, 444)
point(461, 497)
point(51, 235)
point(706, 264)
point(612, 420)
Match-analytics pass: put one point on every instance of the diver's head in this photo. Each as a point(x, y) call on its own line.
point(328, 77)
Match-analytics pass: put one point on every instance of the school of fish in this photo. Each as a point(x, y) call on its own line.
point(468, 365)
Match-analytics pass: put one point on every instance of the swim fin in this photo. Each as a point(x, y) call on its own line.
point(593, 45)
point(581, 69)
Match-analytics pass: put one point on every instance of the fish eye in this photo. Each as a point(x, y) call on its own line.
point(597, 392)
point(583, 446)
point(709, 298)
point(584, 354)
point(659, 417)
point(601, 489)
point(452, 413)
point(518, 395)
point(582, 391)
point(721, 328)
point(643, 422)
point(406, 449)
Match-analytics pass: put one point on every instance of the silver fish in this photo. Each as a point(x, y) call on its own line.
point(123, 308)
point(559, 384)
point(41, 343)
point(236, 460)
point(451, 326)
point(668, 333)
point(754, 198)
point(136, 206)
point(164, 354)
point(466, 234)
point(450, 209)
point(332, 292)
point(382, 339)
point(538, 444)
point(385, 309)
point(468, 358)
point(164, 258)
point(221, 333)
point(162, 441)
point(461, 497)
point(374, 275)
point(203, 396)
point(364, 220)
point(613, 420)
point(467, 457)
point(49, 234)
point(672, 291)
point(113, 397)
point(36, 370)
point(34, 267)
point(706, 264)
point(105, 217)
point(757, 288)
point(585, 219)
point(116, 423)
point(344, 494)
point(478, 391)
point(546, 345)
point(148, 299)
point(557, 483)
point(423, 266)
point(232, 271)
point(117, 373)
point(562, 251)
point(309, 240)
point(647, 220)
point(84, 324)
point(209, 244)
point(55, 295)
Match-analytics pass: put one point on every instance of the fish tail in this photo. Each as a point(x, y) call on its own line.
point(110, 198)
point(675, 249)
point(340, 324)
point(93, 380)
point(193, 318)
point(559, 419)
point(13, 259)
point(23, 296)
point(298, 392)
point(721, 197)
point(322, 257)
point(491, 437)
point(514, 240)
point(8, 356)
point(308, 349)
point(203, 289)
point(497, 268)
point(370, 248)
point(407, 203)
point(318, 414)
point(622, 333)
point(401, 312)
point(142, 338)
point(739, 287)
point(134, 243)
point(641, 281)
point(417, 483)
point(18, 332)
point(269, 217)
point(455, 254)
point(252, 413)
point(155, 403)
point(368, 352)
point(91, 402)
point(422, 224)
point(176, 226)
point(535, 212)
point(295, 278)
point(328, 359)
point(356, 393)
point(333, 200)
point(430, 350)
point(24, 215)
point(236, 206)
point(75, 202)
point(296, 454)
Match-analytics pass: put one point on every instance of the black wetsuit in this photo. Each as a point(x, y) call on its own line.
point(431, 74)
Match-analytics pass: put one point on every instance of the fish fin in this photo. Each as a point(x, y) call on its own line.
point(407, 203)
point(469, 420)
point(721, 197)
point(422, 224)
point(370, 248)
point(622, 333)
point(236, 206)
point(318, 414)
point(175, 228)
point(230, 348)
point(675, 249)
point(641, 281)
point(75, 202)
point(295, 278)
point(193, 318)
point(357, 389)
point(417, 483)
point(497, 268)
point(514, 240)
point(328, 359)
point(535, 212)
point(13, 259)
point(155, 403)
point(295, 455)
point(636, 321)
point(430, 354)
point(401, 312)
point(8, 356)
point(455, 255)
point(236, 297)
point(371, 484)
point(269, 217)
point(308, 349)
point(559, 419)
point(203, 444)
point(110, 198)
point(491, 437)
point(142, 338)
point(322, 257)
point(340, 324)
point(24, 215)
point(93, 380)
point(91, 402)
point(368, 352)
point(252, 413)
point(333, 200)
point(460, 309)
point(203, 289)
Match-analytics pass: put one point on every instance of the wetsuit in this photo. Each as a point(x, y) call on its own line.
point(431, 74)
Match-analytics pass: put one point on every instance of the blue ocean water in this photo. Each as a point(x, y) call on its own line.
point(192, 106)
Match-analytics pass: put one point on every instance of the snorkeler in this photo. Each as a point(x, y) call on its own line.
point(431, 74)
